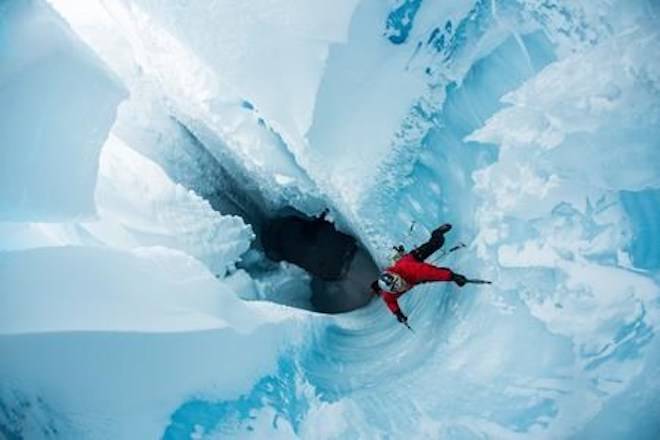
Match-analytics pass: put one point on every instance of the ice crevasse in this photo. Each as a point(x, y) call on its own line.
point(144, 141)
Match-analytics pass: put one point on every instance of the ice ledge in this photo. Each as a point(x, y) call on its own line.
point(58, 103)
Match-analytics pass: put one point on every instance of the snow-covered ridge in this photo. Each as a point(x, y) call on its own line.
point(532, 126)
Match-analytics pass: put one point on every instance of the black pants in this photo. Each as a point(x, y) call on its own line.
point(423, 251)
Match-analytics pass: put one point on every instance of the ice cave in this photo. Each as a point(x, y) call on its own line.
point(196, 195)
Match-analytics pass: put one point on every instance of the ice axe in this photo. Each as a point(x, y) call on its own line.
point(457, 247)
point(400, 249)
point(444, 253)
point(477, 281)
point(408, 325)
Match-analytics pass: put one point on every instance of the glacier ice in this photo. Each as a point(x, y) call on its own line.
point(152, 289)
point(531, 125)
point(140, 206)
point(58, 104)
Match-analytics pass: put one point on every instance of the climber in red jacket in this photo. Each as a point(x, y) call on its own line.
point(410, 270)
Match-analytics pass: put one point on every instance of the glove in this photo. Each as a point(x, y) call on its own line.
point(459, 279)
point(375, 288)
point(401, 317)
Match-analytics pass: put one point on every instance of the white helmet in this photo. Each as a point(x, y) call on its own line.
point(392, 282)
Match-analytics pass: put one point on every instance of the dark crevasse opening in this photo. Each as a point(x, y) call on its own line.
point(311, 243)
point(340, 268)
point(337, 271)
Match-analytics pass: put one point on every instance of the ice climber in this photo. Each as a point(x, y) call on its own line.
point(410, 270)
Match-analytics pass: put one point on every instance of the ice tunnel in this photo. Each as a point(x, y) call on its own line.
point(195, 197)
point(341, 269)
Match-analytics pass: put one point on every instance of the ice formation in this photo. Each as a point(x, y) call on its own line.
point(135, 301)
point(58, 103)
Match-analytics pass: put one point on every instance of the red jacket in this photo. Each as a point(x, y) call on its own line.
point(414, 272)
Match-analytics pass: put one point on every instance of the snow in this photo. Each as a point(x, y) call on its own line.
point(531, 126)
point(59, 102)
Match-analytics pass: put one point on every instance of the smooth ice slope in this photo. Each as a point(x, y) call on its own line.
point(58, 103)
point(146, 290)
point(134, 333)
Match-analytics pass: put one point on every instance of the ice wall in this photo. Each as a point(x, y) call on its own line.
point(532, 126)
point(221, 98)
point(140, 206)
point(99, 289)
point(567, 330)
point(566, 335)
point(116, 304)
point(58, 103)
point(106, 343)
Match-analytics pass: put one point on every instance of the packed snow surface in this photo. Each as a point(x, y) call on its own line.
point(135, 301)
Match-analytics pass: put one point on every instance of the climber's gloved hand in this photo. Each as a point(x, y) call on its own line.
point(459, 279)
point(401, 317)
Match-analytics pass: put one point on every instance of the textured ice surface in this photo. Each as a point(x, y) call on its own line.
point(58, 103)
point(222, 100)
point(532, 126)
point(140, 206)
